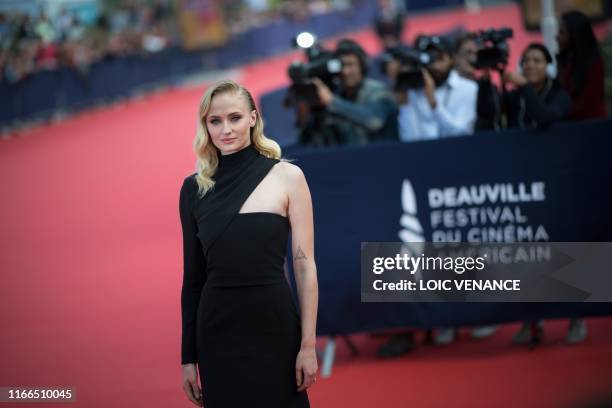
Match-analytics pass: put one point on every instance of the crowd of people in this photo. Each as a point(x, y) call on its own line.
point(243, 15)
point(455, 96)
point(31, 43)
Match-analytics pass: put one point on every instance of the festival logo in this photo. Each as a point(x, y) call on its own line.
point(485, 213)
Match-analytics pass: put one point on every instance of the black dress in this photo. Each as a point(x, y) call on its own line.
point(240, 323)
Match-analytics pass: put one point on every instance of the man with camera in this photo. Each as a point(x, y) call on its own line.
point(466, 55)
point(361, 109)
point(441, 102)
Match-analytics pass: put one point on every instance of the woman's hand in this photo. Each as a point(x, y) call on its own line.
point(306, 368)
point(190, 384)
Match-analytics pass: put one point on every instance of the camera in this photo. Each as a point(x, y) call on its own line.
point(302, 94)
point(411, 61)
point(495, 51)
point(321, 63)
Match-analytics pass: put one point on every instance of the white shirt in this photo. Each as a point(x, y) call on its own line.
point(455, 112)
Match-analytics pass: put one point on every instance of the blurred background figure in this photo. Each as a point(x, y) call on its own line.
point(467, 47)
point(581, 66)
point(440, 102)
point(389, 23)
point(361, 109)
point(537, 99)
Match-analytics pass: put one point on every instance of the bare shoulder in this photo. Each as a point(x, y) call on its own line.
point(289, 172)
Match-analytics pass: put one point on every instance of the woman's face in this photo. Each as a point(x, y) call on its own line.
point(229, 122)
point(534, 66)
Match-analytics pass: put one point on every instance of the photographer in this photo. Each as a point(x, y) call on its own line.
point(389, 23)
point(467, 48)
point(445, 105)
point(537, 100)
point(362, 109)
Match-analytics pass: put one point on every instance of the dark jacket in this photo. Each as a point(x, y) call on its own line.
point(371, 116)
point(588, 99)
point(523, 107)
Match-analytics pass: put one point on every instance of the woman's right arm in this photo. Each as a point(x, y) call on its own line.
point(194, 266)
point(193, 272)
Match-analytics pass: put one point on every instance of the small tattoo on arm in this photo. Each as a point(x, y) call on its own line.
point(299, 255)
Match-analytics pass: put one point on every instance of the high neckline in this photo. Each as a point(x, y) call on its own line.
point(234, 159)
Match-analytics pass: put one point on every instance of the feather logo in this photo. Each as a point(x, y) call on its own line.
point(412, 232)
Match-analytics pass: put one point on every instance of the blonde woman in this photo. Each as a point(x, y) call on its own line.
point(240, 326)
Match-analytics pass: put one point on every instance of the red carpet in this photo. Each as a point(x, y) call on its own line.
point(474, 373)
point(91, 267)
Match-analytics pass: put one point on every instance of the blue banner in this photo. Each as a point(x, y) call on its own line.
point(519, 186)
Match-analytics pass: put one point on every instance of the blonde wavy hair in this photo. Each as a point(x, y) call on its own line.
point(206, 152)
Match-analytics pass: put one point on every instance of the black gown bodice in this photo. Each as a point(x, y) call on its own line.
point(251, 251)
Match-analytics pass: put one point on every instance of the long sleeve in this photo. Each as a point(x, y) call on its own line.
point(459, 116)
point(194, 267)
point(371, 116)
point(459, 122)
